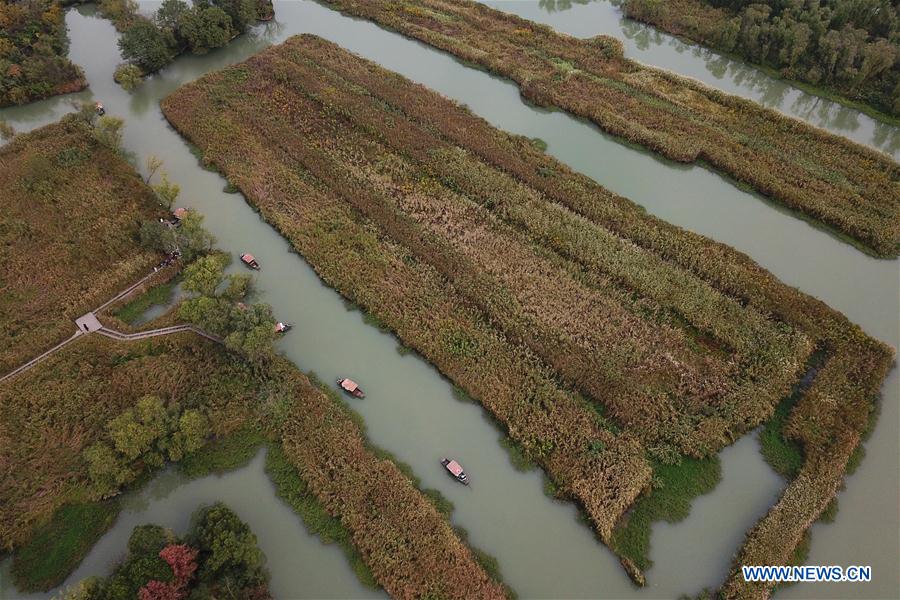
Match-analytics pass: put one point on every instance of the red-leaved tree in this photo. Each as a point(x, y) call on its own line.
point(157, 590)
point(183, 560)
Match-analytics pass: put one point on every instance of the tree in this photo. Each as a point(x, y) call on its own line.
point(204, 275)
point(241, 12)
point(193, 429)
point(128, 75)
point(157, 590)
point(107, 471)
point(153, 163)
point(148, 540)
point(137, 430)
point(183, 560)
point(145, 45)
point(193, 240)
point(166, 191)
point(108, 131)
point(157, 236)
point(228, 548)
point(239, 285)
point(205, 28)
point(169, 15)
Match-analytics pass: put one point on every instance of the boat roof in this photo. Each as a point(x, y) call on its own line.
point(349, 385)
point(247, 257)
point(180, 212)
point(279, 326)
point(455, 468)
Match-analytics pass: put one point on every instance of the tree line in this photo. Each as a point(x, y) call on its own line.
point(849, 46)
point(150, 43)
point(33, 48)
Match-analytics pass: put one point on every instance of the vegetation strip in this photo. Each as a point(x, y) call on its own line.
point(366, 173)
point(846, 49)
point(844, 186)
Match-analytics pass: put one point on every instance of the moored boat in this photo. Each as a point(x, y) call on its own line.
point(351, 387)
point(250, 261)
point(283, 327)
point(99, 108)
point(456, 471)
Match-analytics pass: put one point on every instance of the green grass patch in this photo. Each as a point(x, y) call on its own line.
point(57, 547)
point(783, 455)
point(160, 294)
point(294, 491)
point(223, 454)
point(674, 488)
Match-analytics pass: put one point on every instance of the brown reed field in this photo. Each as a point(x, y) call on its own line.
point(71, 209)
point(600, 337)
point(850, 189)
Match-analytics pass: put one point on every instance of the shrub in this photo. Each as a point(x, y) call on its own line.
point(128, 75)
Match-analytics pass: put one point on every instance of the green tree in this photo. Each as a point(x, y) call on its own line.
point(128, 75)
point(106, 469)
point(204, 275)
point(137, 431)
point(229, 556)
point(148, 540)
point(145, 45)
point(157, 236)
point(241, 12)
point(108, 131)
point(169, 14)
point(167, 192)
point(192, 432)
point(239, 285)
point(205, 28)
point(192, 238)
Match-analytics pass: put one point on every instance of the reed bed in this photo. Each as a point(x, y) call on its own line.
point(69, 222)
point(526, 283)
point(843, 186)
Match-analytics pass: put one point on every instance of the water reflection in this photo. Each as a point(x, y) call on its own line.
point(653, 47)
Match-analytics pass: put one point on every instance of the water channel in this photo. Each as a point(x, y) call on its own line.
point(542, 548)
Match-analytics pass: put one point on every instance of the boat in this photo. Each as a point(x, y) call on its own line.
point(99, 108)
point(351, 387)
point(456, 471)
point(283, 327)
point(248, 260)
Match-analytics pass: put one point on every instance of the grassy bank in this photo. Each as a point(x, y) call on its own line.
point(413, 207)
point(71, 208)
point(837, 183)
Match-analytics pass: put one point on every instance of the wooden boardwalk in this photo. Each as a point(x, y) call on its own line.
point(112, 333)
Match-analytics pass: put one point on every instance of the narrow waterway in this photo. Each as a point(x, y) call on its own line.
point(542, 549)
point(646, 44)
point(295, 559)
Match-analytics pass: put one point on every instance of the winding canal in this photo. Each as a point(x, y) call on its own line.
point(542, 548)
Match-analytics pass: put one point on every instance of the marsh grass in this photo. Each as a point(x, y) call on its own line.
point(158, 295)
point(56, 548)
point(674, 488)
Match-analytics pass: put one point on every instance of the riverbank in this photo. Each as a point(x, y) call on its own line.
point(678, 118)
point(714, 26)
